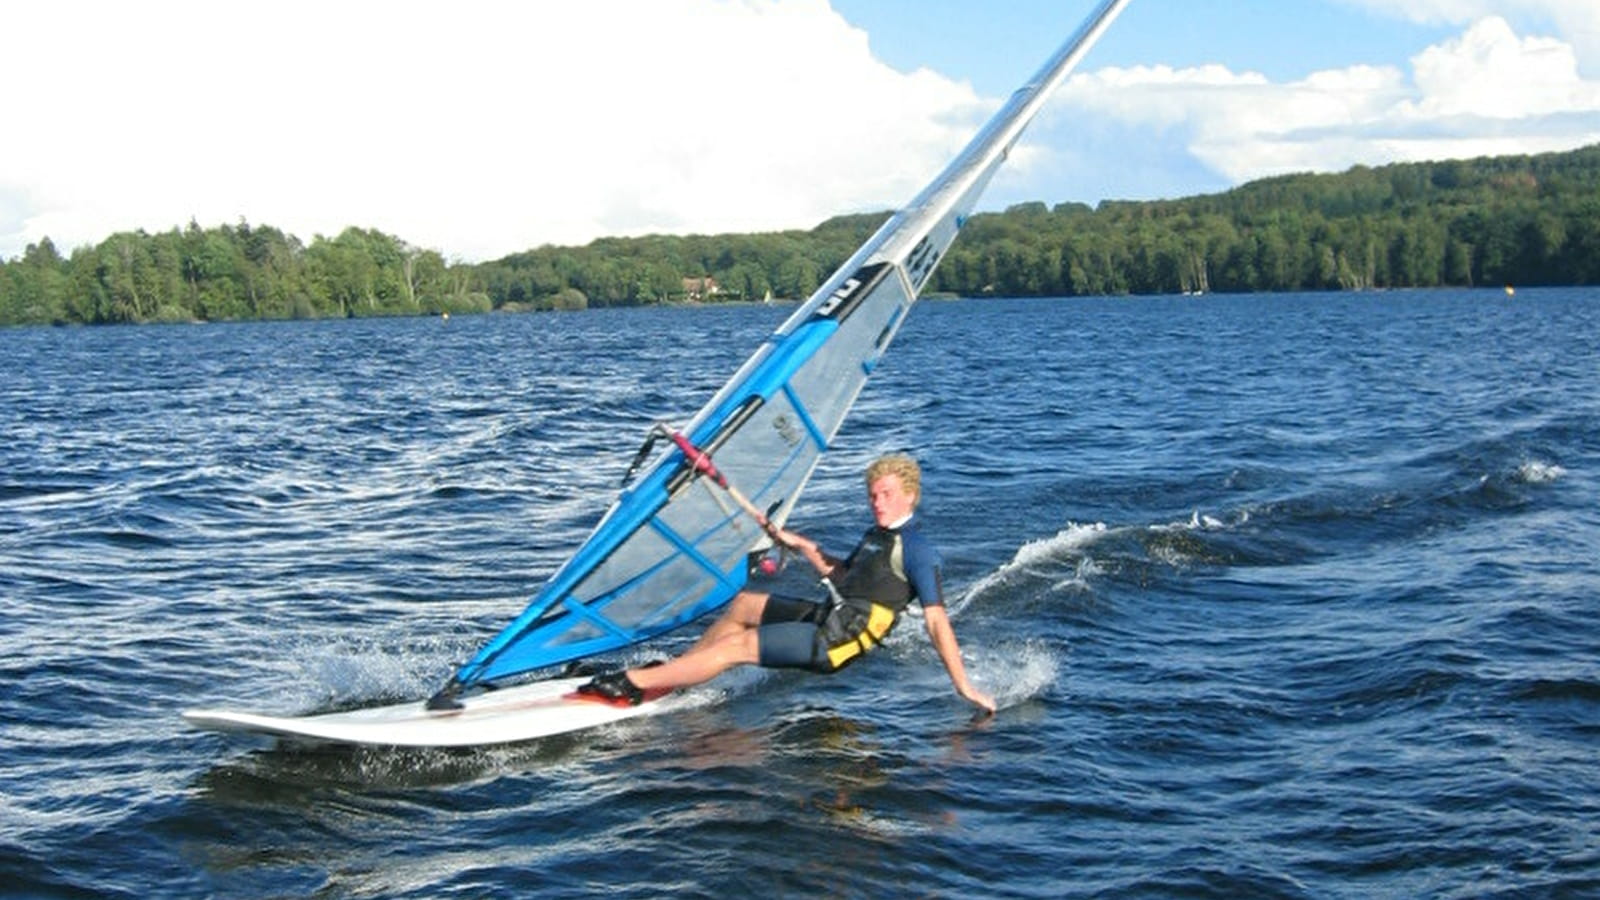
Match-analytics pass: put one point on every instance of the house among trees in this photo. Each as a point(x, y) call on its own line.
point(700, 288)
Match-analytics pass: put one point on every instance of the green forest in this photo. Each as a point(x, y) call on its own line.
point(1522, 220)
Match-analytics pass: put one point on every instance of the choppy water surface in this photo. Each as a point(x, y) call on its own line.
point(1282, 596)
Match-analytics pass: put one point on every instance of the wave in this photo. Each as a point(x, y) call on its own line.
point(1040, 568)
point(1041, 560)
point(1078, 559)
point(1341, 520)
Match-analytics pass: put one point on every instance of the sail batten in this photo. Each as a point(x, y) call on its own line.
point(671, 549)
point(817, 437)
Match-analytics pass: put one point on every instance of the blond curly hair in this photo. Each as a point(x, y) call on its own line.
point(902, 466)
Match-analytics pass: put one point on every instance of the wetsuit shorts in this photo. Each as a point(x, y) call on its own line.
point(788, 637)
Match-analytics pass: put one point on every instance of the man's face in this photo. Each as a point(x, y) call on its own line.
point(890, 500)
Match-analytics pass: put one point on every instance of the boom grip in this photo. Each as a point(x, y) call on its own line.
point(699, 459)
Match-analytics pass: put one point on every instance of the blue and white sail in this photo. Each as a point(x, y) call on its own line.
point(674, 547)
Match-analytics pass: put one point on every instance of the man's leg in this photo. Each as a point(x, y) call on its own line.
point(743, 612)
point(732, 640)
point(703, 662)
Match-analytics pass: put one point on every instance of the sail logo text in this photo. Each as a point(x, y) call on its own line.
point(919, 265)
point(787, 429)
point(839, 296)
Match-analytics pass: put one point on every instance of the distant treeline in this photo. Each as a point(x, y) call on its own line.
point(232, 272)
point(1526, 220)
point(1531, 220)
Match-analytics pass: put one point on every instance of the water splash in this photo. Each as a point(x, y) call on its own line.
point(1023, 671)
point(1536, 472)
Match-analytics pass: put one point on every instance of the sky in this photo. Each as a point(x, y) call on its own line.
point(479, 128)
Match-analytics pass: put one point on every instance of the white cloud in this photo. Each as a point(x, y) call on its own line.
point(1489, 72)
point(478, 129)
point(1576, 22)
point(1484, 92)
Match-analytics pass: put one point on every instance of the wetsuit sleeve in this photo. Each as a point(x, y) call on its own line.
point(922, 564)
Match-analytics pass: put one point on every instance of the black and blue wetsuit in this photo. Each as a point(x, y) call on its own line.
point(887, 570)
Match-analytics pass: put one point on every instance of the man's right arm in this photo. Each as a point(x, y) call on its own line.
point(824, 564)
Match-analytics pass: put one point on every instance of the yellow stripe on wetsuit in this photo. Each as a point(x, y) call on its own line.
point(879, 619)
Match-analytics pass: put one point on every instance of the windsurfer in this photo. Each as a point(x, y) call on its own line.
point(892, 565)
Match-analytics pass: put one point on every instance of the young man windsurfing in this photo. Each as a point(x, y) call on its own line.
point(892, 565)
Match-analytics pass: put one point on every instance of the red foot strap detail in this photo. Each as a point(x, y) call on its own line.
point(650, 695)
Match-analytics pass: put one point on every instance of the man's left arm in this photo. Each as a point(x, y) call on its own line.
point(943, 636)
point(922, 569)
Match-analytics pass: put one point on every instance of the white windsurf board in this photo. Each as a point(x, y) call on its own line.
point(521, 713)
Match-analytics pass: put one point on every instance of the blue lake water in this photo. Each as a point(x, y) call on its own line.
point(1282, 596)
